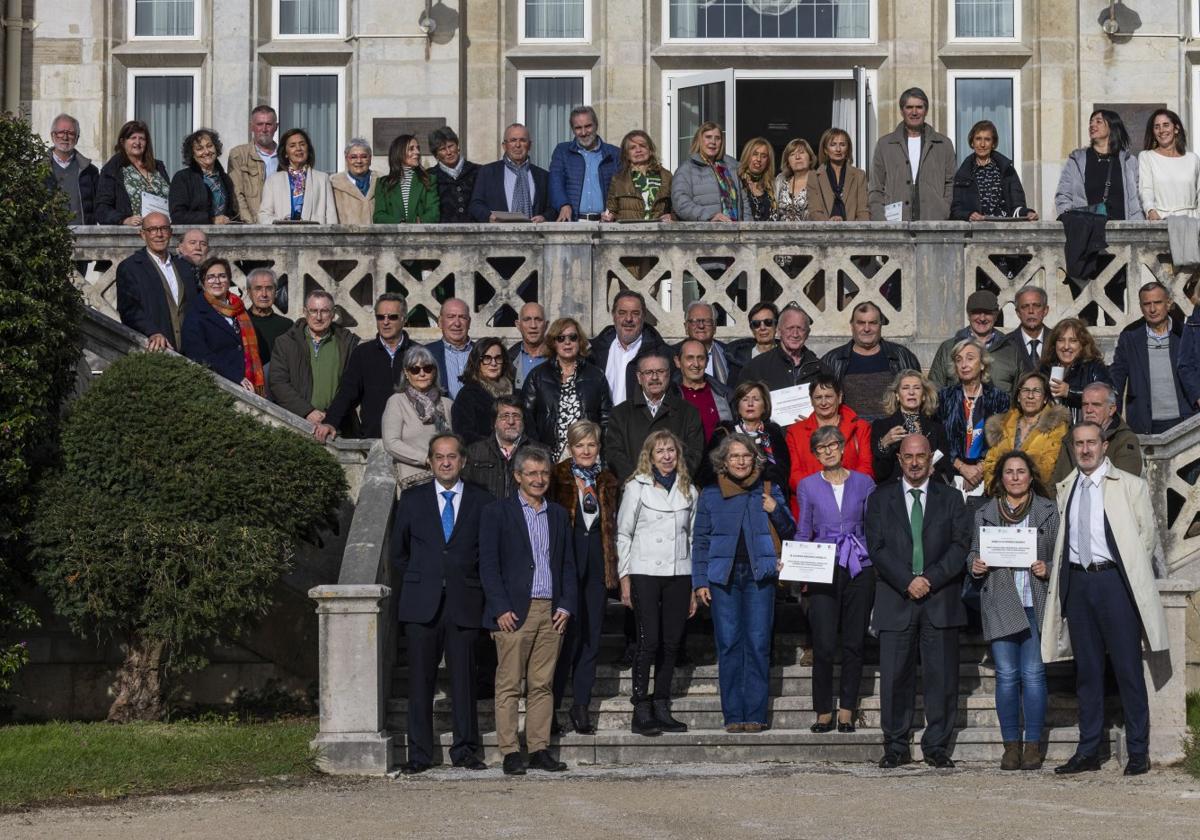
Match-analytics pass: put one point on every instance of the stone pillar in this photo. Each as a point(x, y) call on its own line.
point(1166, 676)
point(353, 738)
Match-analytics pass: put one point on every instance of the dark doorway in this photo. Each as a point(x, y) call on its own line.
point(783, 109)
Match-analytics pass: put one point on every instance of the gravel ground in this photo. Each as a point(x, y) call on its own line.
point(783, 802)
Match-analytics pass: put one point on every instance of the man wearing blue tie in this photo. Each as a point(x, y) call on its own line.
point(435, 567)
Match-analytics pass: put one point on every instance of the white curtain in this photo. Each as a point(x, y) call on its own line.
point(983, 99)
point(164, 103)
point(310, 103)
point(852, 18)
point(162, 18)
point(685, 18)
point(554, 18)
point(308, 17)
point(548, 104)
point(984, 18)
point(845, 114)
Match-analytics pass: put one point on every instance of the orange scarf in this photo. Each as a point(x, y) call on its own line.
point(237, 310)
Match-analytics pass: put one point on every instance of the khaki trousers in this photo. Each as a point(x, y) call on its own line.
point(529, 652)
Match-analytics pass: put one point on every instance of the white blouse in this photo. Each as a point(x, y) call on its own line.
point(1169, 185)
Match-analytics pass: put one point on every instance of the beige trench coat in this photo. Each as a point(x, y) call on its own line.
point(1131, 519)
point(353, 208)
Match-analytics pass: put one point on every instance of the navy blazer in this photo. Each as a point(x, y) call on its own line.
point(213, 342)
point(506, 560)
point(141, 301)
point(425, 565)
point(1130, 373)
point(946, 536)
point(437, 349)
point(489, 197)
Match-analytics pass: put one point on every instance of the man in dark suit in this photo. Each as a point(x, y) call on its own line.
point(1029, 341)
point(619, 344)
point(154, 288)
point(435, 561)
point(512, 184)
point(918, 604)
point(1146, 369)
point(527, 563)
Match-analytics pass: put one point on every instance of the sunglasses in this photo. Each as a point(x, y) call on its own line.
point(386, 316)
point(566, 337)
point(419, 369)
point(762, 322)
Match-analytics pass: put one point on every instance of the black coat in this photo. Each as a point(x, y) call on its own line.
point(89, 178)
point(1130, 372)
point(210, 340)
point(631, 423)
point(424, 564)
point(543, 388)
point(886, 466)
point(899, 358)
point(112, 202)
point(471, 414)
point(1078, 376)
point(488, 194)
point(966, 191)
point(946, 537)
point(776, 370)
point(505, 567)
point(191, 200)
point(368, 382)
point(141, 301)
point(601, 344)
point(454, 194)
point(487, 467)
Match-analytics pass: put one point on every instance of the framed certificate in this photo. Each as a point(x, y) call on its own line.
point(790, 404)
point(808, 562)
point(1013, 548)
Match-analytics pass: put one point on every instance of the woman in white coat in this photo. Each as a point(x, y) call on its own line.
point(297, 192)
point(654, 563)
point(1168, 174)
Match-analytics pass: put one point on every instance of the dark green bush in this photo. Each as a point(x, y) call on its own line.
point(173, 517)
point(39, 316)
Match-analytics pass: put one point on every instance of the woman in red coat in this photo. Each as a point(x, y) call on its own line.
point(828, 410)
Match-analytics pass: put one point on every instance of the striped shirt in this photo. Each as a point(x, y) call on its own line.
point(537, 522)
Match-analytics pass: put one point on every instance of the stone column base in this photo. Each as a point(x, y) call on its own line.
point(354, 753)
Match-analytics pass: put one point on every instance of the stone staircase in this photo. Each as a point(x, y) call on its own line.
point(696, 702)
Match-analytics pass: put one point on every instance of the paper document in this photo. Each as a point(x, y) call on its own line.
point(808, 562)
point(790, 404)
point(1013, 548)
point(152, 203)
point(894, 212)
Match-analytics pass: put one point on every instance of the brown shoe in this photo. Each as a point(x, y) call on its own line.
point(735, 727)
point(1031, 759)
point(752, 727)
point(1012, 756)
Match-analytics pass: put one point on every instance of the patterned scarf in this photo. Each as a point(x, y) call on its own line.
point(522, 202)
point(588, 475)
point(648, 185)
point(213, 181)
point(235, 309)
point(1014, 516)
point(297, 179)
point(569, 411)
point(837, 185)
point(429, 408)
point(761, 438)
point(727, 185)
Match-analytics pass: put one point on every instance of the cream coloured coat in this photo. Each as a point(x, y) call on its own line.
point(353, 208)
point(318, 199)
point(1131, 519)
point(406, 438)
point(654, 528)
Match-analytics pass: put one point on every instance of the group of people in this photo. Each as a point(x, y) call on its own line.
point(915, 175)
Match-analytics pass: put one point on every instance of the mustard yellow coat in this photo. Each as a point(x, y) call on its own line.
point(1043, 443)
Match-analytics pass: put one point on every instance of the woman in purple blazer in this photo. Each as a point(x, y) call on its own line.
point(833, 506)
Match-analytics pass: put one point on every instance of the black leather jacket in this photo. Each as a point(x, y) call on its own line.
point(541, 392)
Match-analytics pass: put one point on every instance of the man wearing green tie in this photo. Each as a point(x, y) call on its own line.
point(918, 603)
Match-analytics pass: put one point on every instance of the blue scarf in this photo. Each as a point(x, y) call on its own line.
point(668, 480)
point(363, 182)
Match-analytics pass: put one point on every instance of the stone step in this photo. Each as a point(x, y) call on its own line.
point(982, 744)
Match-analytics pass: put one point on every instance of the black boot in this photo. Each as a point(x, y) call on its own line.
point(662, 714)
point(582, 720)
point(643, 720)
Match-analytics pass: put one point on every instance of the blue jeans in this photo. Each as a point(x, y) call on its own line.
point(743, 615)
point(1020, 683)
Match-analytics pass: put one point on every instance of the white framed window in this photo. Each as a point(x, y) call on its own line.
point(163, 20)
point(544, 102)
point(1195, 4)
point(984, 20)
point(759, 21)
point(994, 95)
point(314, 99)
point(309, 19)
point(554, 21)
point(167, 100)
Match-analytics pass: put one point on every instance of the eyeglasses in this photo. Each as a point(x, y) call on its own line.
point(1032, 392)
point(65, 133)
point(701, 322)
point(221, 276)
point(386, 316)
point(416, 370)
point(510, 416)
point(158, 229)
point(490, 359)
point(320, 313)
point(758, 323)
point(654, 373)
point(566, 338)
point(833, 446)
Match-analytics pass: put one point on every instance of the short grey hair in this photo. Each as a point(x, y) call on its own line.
point(580, 110)
point(394, 297)
point(357, 143)
point(419, 354)
point(317, 293)
point(1109, 391)
point(531, 452)
point(270, 275)
point(794, 307)
point(721, 451)
point(1036, 290)
point(1153, 286)
point(823, 434)
point(914, 93)
point(687, 313)
point(440, 137)
point(65, 116)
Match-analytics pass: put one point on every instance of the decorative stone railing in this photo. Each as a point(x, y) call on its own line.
point(920, 274)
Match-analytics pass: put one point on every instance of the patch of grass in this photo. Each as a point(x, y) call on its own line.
point(53, 762)
point(1193, 709)
point(1191, 746)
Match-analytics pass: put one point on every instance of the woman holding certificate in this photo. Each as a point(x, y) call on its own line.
point(833, 505)
point(740, 522)
point(1014, 569)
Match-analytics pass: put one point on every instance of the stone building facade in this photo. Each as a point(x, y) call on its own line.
point(778, 68)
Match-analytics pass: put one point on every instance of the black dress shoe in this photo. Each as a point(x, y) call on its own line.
point(1078, 764)
point(1138, 764)
point(892, 760)
point(581, 719)
point(513, 765)
point(848, 726)
point(939, 760)
point(542, 760)
point(819, 726)
point(412, 768)
point(471, 763)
